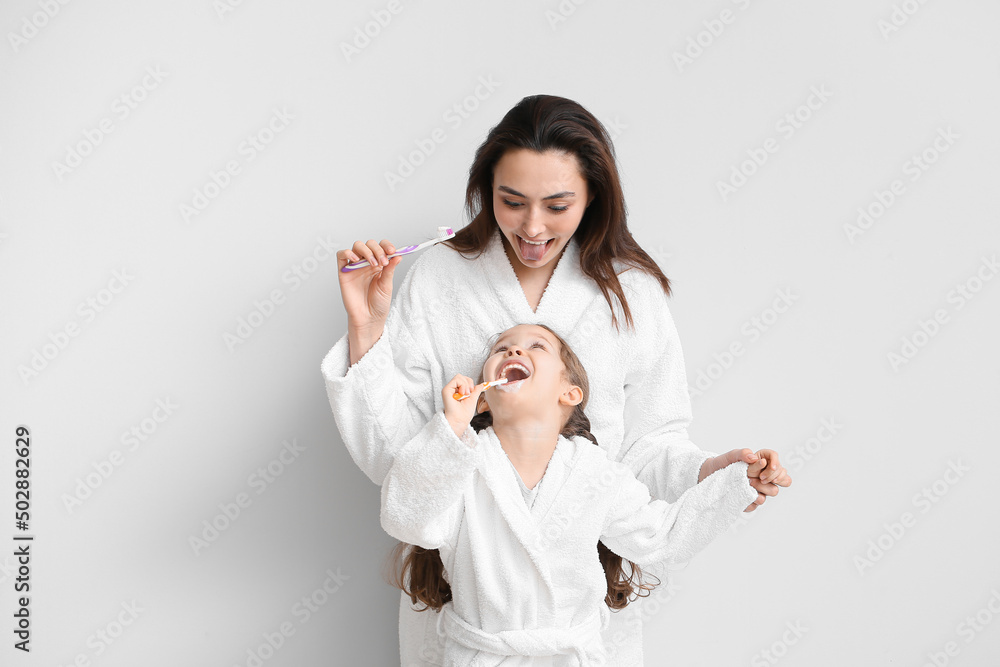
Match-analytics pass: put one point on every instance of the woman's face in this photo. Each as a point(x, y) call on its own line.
point(539, 200)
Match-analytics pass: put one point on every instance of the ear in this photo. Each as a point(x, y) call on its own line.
point(590, 199)
point(572, 396)
point(481, 404)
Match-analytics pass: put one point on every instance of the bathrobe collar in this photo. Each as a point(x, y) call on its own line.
point(499, 476)
point(565, 298)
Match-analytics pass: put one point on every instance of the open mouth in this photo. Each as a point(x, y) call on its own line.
point(516, 373)
point(533, 250)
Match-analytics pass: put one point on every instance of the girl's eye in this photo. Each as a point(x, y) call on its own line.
point(538, 345)
point(499, 348)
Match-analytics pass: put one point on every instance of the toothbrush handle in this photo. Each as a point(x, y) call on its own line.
point(363, 263)
point(459, 397)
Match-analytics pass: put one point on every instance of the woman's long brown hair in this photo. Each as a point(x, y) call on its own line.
point(547, 123)
point(419, 572)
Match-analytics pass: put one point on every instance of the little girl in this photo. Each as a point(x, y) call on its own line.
point(518, 508)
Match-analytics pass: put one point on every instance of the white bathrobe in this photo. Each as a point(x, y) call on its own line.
point(527, 583)
point(442, 315)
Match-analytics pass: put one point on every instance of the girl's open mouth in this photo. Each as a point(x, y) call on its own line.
point(516, 373)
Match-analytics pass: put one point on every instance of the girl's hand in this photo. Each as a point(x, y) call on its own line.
point(367, 292)
point(460, 412)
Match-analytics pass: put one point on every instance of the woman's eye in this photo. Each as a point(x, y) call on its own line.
point(512, 204)
point(559, 208)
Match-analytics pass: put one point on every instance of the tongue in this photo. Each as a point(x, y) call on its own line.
point(530, 251)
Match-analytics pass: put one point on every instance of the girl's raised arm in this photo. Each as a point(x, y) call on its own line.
point(648, 531)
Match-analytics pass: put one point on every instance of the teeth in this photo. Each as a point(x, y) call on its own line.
point(533, 242)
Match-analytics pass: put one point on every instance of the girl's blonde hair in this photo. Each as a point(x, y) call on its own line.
point(419, 572)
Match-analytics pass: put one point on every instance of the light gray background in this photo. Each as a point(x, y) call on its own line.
point(680, 130)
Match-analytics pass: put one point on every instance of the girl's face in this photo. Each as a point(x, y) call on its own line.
point(539, 200)
point(530, 358)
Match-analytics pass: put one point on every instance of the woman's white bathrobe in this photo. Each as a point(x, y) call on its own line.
point(442, 315)
point(528, 582)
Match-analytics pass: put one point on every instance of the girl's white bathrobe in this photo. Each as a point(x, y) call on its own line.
point(527, 582)
point(442, 315)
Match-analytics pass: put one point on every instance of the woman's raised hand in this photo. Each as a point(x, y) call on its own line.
point(367, 292)
point(764, 470)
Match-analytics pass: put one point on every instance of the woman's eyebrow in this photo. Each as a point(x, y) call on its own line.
point(559, 195)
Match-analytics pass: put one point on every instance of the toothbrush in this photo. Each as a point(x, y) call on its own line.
point(486, 385)
point(444, 233)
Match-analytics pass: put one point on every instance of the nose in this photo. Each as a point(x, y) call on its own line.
point(532, 226)
point(514, 349)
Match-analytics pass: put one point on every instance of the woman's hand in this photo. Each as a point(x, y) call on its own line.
point(460, 412)
point(367, 292)
point(765, 471)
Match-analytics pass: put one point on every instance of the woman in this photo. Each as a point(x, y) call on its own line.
point(548, 244)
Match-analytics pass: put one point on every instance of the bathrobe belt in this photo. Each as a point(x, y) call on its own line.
point(530, 642)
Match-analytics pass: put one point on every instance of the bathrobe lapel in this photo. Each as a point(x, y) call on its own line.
point(499, 477)
point(565, 299)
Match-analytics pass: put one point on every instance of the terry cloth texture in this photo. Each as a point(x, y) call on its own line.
point(442, 315)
